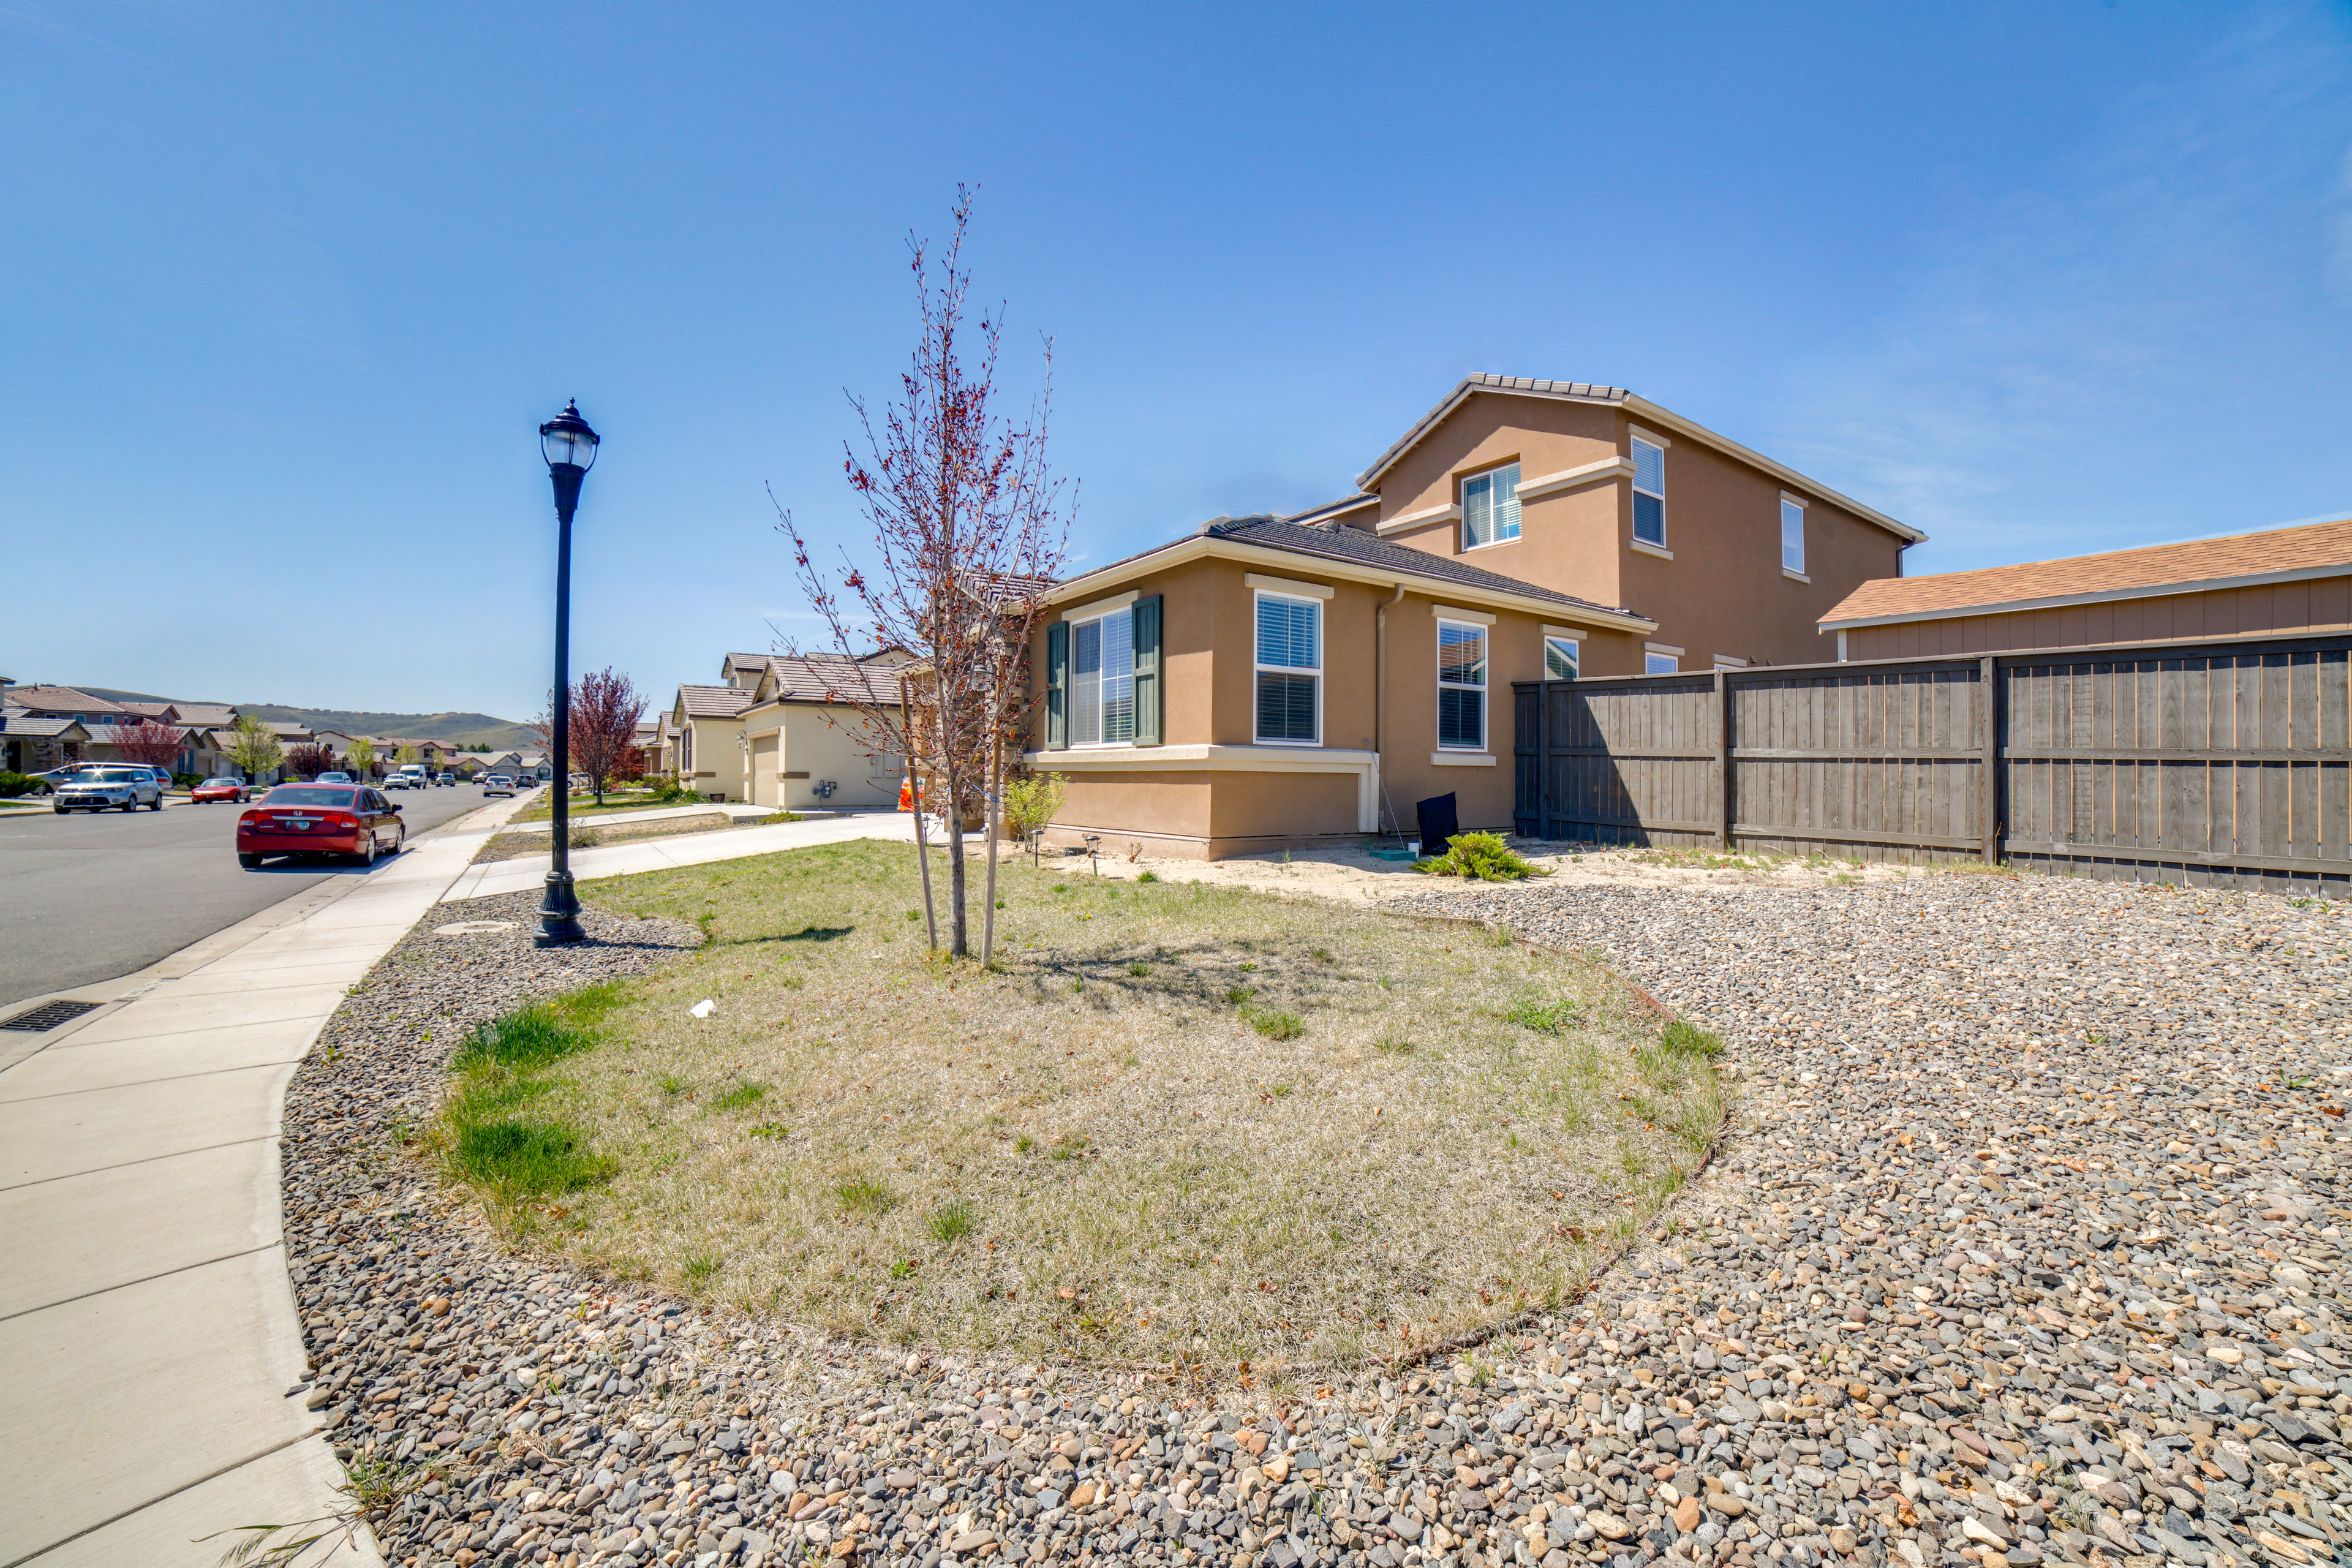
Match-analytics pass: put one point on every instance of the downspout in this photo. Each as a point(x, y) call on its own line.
point(1380, 690)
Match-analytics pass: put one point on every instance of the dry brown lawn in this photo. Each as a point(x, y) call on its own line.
point(1181, 1124)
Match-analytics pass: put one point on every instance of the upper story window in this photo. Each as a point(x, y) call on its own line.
point(1649, 492)
point(1289, 670)
point(1490, 507)
point(1792, 535)
point(1461, 687)
point(1561, 657)
point(1102, 680)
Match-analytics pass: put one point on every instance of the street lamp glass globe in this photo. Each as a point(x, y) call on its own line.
point(567, 440)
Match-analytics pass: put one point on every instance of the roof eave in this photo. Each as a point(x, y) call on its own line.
point(2095, 596)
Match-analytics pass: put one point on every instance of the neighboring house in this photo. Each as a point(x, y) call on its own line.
point(35, 745)
point(1594, 492)
point(65, 702)
point(434, 754)
point(2283, 581)
point(474, 764)
point(707, 724)
point(1261, 684)
point(802, 746)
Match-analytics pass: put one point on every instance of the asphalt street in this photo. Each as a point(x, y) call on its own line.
point(86, 897)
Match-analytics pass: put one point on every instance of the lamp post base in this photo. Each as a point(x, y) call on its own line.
point(558, 915)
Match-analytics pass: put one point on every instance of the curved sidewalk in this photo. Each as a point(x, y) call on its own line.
point(691, 849)
point(148, 1343)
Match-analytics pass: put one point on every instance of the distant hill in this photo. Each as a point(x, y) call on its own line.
point(473, 731)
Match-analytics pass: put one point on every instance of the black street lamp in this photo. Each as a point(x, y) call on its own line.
point(571, 448)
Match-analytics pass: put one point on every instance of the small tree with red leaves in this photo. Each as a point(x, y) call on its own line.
point(150, 744)
point(606, 708)
point(967, 524)
point(309, 760)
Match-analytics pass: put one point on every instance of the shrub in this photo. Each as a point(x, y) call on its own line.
point(13, 784)
point(1482, 857)
point(1030, 803)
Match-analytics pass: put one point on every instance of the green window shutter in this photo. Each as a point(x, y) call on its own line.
point(1057, 686)
point(1147, 684)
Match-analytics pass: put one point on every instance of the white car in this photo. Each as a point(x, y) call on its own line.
point(496, 784)
point(111, 789)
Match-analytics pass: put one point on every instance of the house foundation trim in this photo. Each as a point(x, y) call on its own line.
point(1364, 764)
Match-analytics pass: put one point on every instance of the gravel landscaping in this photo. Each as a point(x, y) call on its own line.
point(2028, 1250)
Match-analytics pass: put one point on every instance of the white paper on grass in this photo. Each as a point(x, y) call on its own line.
point(704, 1008)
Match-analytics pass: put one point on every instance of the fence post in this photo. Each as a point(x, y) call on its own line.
point(1722, 759)
point(1990, 798)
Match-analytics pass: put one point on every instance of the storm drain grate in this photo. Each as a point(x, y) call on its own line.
point(49, 1014)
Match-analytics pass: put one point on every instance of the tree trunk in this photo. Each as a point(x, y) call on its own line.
point(923, 859)
point(994, 816)
point(959, 922)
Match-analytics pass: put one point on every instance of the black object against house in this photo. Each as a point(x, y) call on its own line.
point(1438, 822)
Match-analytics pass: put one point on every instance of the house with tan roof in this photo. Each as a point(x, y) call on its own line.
point(1266, 683)
point(2279, 582)
point(804, 744)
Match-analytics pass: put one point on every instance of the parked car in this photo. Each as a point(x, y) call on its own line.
point(333, 777)
point(118, 788)
point(321, 819)
point(496, 784)
point(447, 779)
point(400, 781)
point(222, 788)
point(47, 783)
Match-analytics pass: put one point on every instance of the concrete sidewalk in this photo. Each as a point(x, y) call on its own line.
point(585, 817)
point(149, 1342)
point(698, 850)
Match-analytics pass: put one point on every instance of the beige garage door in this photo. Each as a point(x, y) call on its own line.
point(766, 788)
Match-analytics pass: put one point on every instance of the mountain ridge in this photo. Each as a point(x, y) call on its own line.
point(483, 731)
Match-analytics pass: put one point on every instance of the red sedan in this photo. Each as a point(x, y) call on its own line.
point(222, 788)
point(321, 819)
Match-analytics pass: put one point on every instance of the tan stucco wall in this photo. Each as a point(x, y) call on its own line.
point(718, 758)
point(1723, 592)
point(805, 738)
point(2324, 604)
point(1208, 622)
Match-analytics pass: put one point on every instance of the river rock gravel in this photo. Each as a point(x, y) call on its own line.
point(2024, 1249)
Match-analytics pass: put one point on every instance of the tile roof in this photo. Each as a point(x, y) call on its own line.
point(1338, 542)
point(205, 712)
point(716, 701)
point(61, 699)
point(830, 678)
point(21, 725)
point(2318, 550)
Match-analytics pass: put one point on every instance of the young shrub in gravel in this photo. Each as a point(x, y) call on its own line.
point(1480, 857)
point(1176, 1122)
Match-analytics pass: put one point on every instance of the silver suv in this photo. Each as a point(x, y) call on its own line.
point(111, 789)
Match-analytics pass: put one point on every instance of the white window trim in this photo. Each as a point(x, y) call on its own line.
point(1576, 644)
point(1798, 571)
point(1485, 630)
point(1100, 610)
point(1095, 609)
point(1635, 433)
point(1322, 632)
point(1288, 585)
point(1462, 533)
point(1643, 547)
point(1454, 613)
point(1663, 647)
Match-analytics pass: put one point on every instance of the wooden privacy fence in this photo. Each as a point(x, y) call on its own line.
point(2222, 764)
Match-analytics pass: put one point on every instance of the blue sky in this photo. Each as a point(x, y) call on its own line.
point(287, 288)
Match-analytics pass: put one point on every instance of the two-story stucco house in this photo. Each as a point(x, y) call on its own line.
point(1269, 682)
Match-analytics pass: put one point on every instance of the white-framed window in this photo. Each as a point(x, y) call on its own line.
point(1649, 492)
point(1660, 663)
point(1562, 656)
point(1792, 535)
point(1490, 507)
point(1461, 687)
point(1289, 670)
point(1102, 679)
